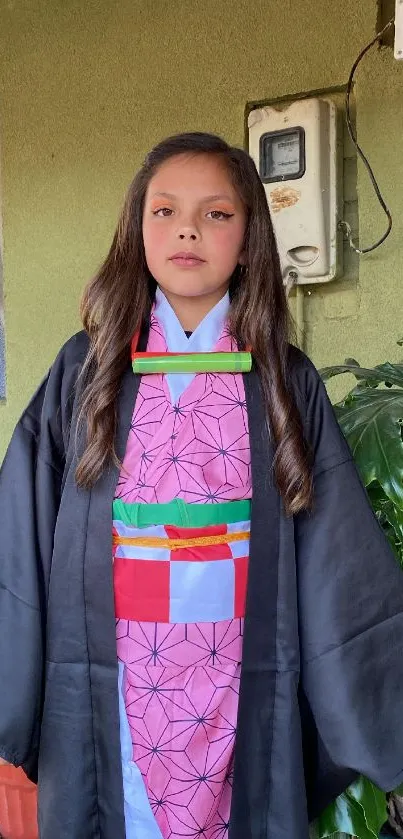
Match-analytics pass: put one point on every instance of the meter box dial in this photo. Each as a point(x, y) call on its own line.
point(295, 149)
point(282, 155)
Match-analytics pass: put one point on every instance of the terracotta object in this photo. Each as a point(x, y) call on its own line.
point(17, 805)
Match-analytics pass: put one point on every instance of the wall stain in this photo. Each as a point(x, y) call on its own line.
point(283, 196)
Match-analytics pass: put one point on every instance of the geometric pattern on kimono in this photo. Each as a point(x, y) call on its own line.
point(180, 613)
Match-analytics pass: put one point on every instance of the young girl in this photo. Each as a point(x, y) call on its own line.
point(201, 621)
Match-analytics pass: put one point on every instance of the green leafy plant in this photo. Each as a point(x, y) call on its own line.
point(359, 811)
point(371, 418)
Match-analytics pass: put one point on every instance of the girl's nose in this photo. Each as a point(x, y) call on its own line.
point(188, 234)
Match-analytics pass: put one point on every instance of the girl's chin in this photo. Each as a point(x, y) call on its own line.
point(192, 289)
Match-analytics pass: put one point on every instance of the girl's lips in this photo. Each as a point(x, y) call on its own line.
point(187, 260)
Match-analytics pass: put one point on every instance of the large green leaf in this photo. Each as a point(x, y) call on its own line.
point(372, 421)
point(391, 374)
point(360, 811)
point(390, 518)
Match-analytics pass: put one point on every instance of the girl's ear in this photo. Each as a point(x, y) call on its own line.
point(242, 258)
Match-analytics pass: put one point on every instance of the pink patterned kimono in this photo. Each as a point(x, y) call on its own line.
point(180, 611)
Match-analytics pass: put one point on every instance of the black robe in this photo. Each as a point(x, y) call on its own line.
point(322, 670)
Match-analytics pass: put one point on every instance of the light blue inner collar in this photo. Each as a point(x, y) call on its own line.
point(203, 339)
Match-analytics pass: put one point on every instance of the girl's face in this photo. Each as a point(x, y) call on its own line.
point(193, 229)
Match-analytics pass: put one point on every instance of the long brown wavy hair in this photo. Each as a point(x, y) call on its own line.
point(117, 302)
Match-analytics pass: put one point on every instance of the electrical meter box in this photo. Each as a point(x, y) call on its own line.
point(295, 149)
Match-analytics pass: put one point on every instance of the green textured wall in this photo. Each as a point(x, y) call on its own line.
point(87, 87)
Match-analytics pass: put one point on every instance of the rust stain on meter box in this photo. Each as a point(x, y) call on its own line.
point(283, 196)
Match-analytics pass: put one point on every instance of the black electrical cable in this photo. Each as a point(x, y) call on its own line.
point(353, 136)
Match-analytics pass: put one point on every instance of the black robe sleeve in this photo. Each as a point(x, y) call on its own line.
point(350, 620)
point(30, 488)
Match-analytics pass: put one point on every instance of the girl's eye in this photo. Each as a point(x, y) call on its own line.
point(219, 215)
point(163, 211)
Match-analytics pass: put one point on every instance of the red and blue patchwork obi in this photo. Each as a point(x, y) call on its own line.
point(172, 574)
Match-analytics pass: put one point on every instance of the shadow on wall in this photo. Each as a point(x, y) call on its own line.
point(2, 344)
point(2, 367)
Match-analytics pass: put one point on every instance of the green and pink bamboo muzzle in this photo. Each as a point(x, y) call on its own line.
point(203, 362)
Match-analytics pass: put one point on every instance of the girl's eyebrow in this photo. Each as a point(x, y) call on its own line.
point(163, 195)
point(222, 197)
point(219, 197)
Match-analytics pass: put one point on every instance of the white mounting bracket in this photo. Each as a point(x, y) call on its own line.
point(399, 30)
